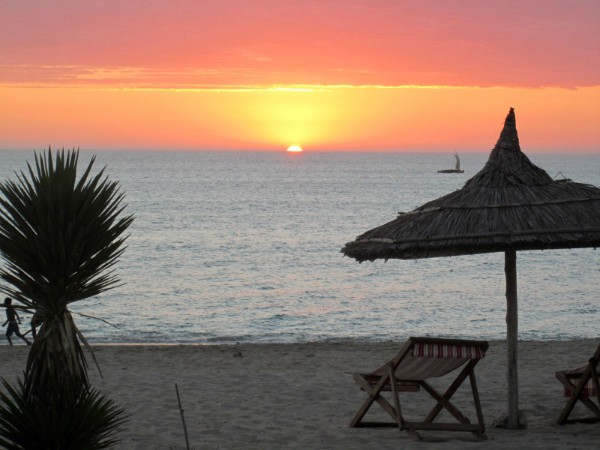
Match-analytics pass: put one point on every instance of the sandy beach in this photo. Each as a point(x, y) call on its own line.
point(302, 396)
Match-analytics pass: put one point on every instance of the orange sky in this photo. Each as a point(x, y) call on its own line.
point(328, 75)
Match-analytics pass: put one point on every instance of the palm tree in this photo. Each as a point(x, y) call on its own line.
point(60, 237)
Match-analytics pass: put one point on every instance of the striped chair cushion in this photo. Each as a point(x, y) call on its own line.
point(426, 350)
point(431, 360)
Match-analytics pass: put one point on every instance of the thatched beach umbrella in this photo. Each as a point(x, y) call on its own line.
point(510, 205)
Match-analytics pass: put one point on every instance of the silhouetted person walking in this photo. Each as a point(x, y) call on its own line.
point(13, 320)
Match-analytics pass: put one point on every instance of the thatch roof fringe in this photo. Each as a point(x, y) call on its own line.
point(480, 235)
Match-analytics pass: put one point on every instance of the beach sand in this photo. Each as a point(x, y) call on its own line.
point(302, 396)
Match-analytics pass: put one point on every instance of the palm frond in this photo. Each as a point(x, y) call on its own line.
point(86, 419)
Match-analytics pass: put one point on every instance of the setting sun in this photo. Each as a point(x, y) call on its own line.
point(294, 149)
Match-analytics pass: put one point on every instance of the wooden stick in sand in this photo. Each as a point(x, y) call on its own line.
point(187, 442)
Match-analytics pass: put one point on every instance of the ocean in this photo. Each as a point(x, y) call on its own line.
point(233, 247)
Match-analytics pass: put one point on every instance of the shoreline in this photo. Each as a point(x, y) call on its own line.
point(342, 341)
point(280, 396)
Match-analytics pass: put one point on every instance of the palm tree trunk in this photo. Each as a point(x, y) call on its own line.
point(56, 360)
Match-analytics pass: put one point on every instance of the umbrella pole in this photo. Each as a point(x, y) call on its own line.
point(510, 269)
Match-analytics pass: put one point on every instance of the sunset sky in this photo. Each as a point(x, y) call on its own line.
point(398, 75)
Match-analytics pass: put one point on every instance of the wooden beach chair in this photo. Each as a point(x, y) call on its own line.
point(419, 360)
point(581, 384)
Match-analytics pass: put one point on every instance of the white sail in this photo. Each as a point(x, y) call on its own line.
point(457, 167)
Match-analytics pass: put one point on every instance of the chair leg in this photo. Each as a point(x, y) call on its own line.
point(399, 417)
point(477, 401)
point(368, 402)
point(443, 401)
point(596, 384)
point(577, 394)
point(374, 394)
point(568, 384)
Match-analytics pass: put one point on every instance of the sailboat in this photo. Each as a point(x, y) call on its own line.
point(456, 169)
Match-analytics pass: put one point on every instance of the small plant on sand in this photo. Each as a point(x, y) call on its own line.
point(60, 237)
